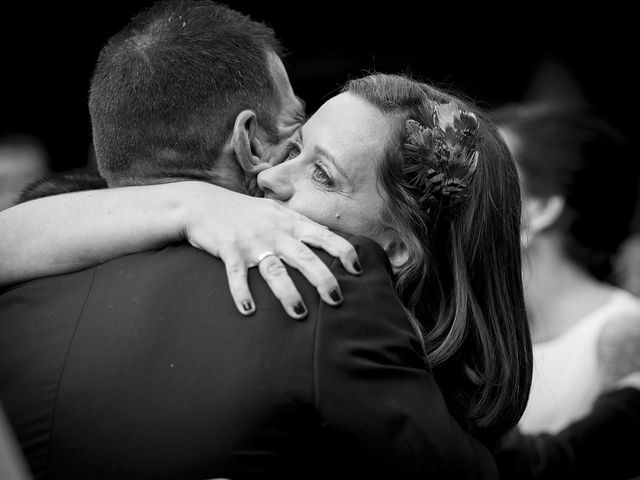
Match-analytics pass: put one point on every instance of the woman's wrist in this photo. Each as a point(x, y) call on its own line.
point(191, 201)
point(176, 212)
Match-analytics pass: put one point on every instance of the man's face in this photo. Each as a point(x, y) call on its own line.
point(291, 110)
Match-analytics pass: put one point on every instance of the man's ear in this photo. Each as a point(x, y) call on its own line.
point(245, 143)
point(540, 214)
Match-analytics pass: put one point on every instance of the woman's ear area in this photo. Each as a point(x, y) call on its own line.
point(540, 213)
point(246, 145)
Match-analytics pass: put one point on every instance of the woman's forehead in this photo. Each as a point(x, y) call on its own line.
point(350, 128)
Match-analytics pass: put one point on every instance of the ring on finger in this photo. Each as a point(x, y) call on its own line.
point(264, 255)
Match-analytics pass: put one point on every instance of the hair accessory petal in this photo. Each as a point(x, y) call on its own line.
point(442, 158)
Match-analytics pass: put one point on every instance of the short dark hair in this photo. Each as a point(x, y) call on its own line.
point(167, 88)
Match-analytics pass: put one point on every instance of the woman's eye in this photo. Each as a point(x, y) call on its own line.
point(321, 176)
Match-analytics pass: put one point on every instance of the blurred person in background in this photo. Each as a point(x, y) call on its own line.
point(627, 261)
point(86, 177)
point(23, 160)
point(13, 465)
point(579, 186)
point(554, 82)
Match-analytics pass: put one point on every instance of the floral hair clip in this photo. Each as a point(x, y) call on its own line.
point(442, 154)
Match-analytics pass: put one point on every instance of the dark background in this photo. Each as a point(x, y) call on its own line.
point(492, 54)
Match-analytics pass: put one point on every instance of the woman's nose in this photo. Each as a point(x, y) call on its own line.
point(275, 182)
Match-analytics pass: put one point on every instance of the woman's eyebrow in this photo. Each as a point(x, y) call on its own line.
point(327, 155)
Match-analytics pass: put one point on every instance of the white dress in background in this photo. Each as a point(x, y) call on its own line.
point(566, 374)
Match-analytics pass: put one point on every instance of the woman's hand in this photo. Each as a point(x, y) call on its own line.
point(245, 231)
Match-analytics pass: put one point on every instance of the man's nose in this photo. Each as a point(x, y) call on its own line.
point(275, 182)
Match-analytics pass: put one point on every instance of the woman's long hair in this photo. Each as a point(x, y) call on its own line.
point(461, 281)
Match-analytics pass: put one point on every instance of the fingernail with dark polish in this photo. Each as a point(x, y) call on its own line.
point(357, 267)
point(334, 293)
point(299, 308)
point(246, 305)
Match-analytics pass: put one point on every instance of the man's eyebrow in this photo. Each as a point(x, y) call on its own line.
point(304, 106)
point(295, 136)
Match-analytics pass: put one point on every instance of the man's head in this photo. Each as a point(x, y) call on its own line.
point(183, 91)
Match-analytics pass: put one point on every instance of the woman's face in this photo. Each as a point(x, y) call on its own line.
point(329, 169)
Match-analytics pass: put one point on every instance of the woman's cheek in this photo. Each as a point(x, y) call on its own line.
point(328, 213)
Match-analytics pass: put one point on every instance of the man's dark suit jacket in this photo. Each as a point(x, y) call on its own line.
point(143, 368)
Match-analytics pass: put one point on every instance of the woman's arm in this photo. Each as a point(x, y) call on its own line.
point(64, 233)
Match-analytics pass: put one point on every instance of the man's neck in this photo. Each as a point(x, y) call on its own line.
point(217, 177)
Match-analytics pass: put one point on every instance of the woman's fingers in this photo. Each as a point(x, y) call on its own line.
point(238, 285)
point(301, 257)
point(298, 255)
point(275, 274)
point(334, 245)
